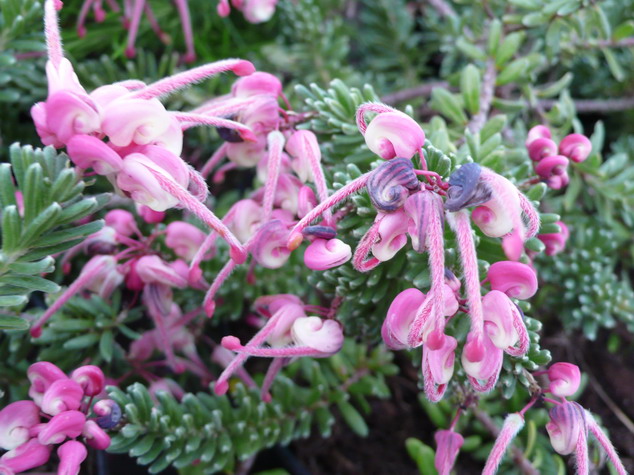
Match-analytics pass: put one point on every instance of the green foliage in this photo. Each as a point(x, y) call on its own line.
point(41, 223)
point(222, 430)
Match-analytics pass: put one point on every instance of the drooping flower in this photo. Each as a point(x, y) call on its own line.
point(448, 444)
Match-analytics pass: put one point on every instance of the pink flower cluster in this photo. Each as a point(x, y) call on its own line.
point(56, 415)
point(551, 160)
point(254, 11)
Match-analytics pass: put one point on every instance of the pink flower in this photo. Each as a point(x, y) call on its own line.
point(567, 427)
point(122, 221)
point(63, 395)
point(399, 319)
point(42, 375)
point(90, 378)
point(71, 455)
point(258, 11)
point(503, 323)
point(393, 134)
point(149, 215)
point(29, 455)
point(65, 424)
point(553, 169)
point(392, 231)
point(323, 336)
point(257, 84)
point(391, 183)
point(323, 254)
point(16, 420)
point(515, 279)
point(89, 152)
point(539, 131)
point(540, 148)
point(564, 379)
point(577, 147)
point(95, 436)
point(555, 242)
point(486, 369)
point(448, 444)
point(184, 239)
point(438, 367)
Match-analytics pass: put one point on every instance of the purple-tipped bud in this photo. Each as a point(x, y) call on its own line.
point(42, 375)
point(325, 336)
point(555, 242)
point(71, 455)
point(16, 420)
point(576, 147)
point(391, 184)
point(567, 424)
point(541, 148)
point(448, 444)
point(515, 279)
point(466, 189)
point(66, 424)
point(109, 413)
point(399, 318)
point(452, 281)
point(324, 254)
point(62, 395)
point(29, 455)
point(537, 132)
point(90, 378)
point(564, 379)
point(394, 134)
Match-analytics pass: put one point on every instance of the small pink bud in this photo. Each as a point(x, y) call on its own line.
point(132, 279)
point(259, 11)
point(567, 424)
point(394, 134)
point(555, 242)
point(564, 379)
point(95, 436)
point(552, 165)
point(62, 395)
point(325, 336)
point(42, 375)
point(540, 148)
point(537, 132)
point(65, 424)
point(448, 444)
point(152, 270)
point(90, 378)
point(515, 279)
point(149, 215)
point(16, 420)
point(576, 147)
point(184, 239)
point(29, 455)
point(323, 254)
point(71, 455)
point(122, 221)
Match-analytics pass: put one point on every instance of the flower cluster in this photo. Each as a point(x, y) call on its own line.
point(551, 160)
point(408, 208)
point(57, 415)
point(254, 11)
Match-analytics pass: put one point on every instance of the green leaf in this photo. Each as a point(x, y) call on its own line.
point(106, 345)
point(534, 244)
point(613, 64)
point(470, 87)
point(44, 221)
point(12, 323)
point(422, 454)
point(624, 30)
point(12, 300)
point(11, 230)
point(43, 266)
point(448, 105)
point(81, 342)
point(470, 50)
point(495, 34)
point(555, 88)
point(493, 126)
point(508, 48)
point(30, 282)
point(513, 71)
point(353, 418)
point(535, 19)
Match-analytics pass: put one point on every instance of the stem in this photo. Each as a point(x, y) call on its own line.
point(486, 98)
point(51, 31)
point(605, 443)
point(214, 160)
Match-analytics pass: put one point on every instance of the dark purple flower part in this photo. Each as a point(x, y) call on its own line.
point(466, 189)
point(321, 232)
point(391, 183)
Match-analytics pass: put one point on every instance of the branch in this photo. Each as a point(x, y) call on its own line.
point(518, 456)
point(596, 105)
point(624, 43)
point(413, 92)
point(443, 8)
point(486, 97)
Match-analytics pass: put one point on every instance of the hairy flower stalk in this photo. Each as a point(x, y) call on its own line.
point(512, 425)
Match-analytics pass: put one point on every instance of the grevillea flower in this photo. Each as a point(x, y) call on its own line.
point(541, 148)
point(576, 147)
point(503, 323)
point(184, 239)
point(438, 364)
point(323, 254)
point(515, 279)
point(564, 379)
point(391, 133)
point(29, 455)
point(448, 444)
point(391, 183)
point(16, 420)
point(71, 455)
point(122, 222)
point(392, 233)
point(554, 170)
point(483, 373)
point(567, 430)
point(254, 11)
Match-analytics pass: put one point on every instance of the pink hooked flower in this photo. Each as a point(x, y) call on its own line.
point(555, 242)
point(515, 279)
point(448, 444)
point(564, 379)
point(576, 147)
